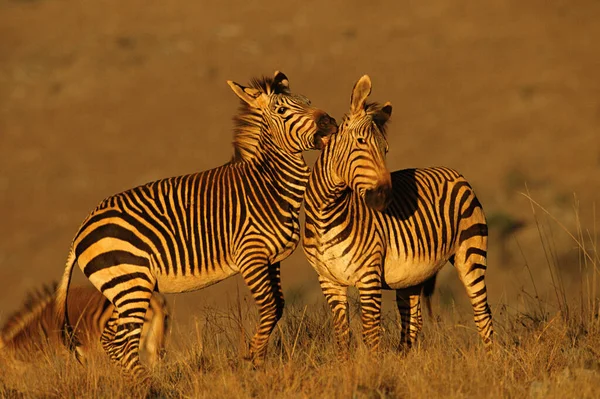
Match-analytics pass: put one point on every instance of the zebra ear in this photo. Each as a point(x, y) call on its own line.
point(280, 82)
point(387, 109)
point(246, 94)
point(384, 114)
point(360, 92)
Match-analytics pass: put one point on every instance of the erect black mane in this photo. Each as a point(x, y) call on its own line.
point(265, 84)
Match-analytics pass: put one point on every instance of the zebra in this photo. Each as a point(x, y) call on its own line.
point(372, 229)
point(34, 326)
point(185, 233)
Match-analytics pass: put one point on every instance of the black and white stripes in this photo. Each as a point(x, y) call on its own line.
point(369, 228)
point(188, 232)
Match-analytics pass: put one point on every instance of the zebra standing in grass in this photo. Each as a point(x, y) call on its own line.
point(185, 233)
point(374, 230)
point(34, 326)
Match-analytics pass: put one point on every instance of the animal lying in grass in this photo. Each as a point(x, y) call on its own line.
point(34, 327)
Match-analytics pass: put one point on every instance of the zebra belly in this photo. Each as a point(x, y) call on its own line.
point(337, 268)
point(179, 283)
point(404, 273)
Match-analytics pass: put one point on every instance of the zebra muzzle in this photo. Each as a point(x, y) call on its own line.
point(326, 126)
point(379, 197)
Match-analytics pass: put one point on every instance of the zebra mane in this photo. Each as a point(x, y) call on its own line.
point(35, 303)
point(247, 122)
point(374, 111)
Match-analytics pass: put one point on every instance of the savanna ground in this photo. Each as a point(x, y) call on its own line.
point(99, 96)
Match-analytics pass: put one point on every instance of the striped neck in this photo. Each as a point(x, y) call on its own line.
point(287, 172)
point(325, 189)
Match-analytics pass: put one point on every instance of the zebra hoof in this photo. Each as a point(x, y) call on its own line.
point(404, 349)
point(256, 362)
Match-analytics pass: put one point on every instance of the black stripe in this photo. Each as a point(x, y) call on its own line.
point(128, 291)
point(476, 281)
point(123, 279)
point(110, 230)
point(113, 258)
point(475, 251)
point(476, 266)
point(478, 229)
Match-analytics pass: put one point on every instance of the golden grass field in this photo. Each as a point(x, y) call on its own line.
point(538, 354)
point(99, 96)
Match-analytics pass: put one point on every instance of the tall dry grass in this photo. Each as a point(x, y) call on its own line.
point(547, 345)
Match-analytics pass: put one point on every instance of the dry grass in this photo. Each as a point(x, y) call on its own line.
point(547, 345)
point(539, 356)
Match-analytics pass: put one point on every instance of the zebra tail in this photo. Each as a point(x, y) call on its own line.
point(427, 293)
point(61, 306)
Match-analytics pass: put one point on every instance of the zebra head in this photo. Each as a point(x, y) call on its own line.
point(287, 119)
point(363, 147)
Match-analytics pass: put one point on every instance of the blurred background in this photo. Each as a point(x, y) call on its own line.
point(99, 96)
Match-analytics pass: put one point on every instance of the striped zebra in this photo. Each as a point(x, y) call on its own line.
point(372, 229)
point(34, 326)
point(185, 233)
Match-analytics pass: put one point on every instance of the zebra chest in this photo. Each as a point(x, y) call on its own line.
point(339, 267)
point(342, 260)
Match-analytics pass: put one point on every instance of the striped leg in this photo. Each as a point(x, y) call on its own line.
point(265, 285)
point(370, 311)
point(337, 299)
point(470, 262)
point(108, 334)
point(125, 325)
point(152, 341)
point(411, 321)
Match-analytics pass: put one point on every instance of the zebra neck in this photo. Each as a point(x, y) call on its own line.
point(325, 191)
point(288, 173)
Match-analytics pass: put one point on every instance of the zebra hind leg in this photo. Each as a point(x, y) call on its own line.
point(411, 321)
point(121, 336)
point(108, 335)
point(470, 263)
point(337, 299)
point(152, 341)
point(265, 285)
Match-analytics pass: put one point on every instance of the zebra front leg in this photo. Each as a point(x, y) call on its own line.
point(411, 321)
point(369, 290)
point(337, 299)
point(264, 283)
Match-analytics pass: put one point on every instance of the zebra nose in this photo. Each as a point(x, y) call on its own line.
point(379, 197)
point(326, 126)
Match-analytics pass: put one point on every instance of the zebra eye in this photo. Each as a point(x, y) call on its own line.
point(361, 140)
point(281, 110)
